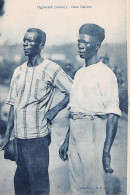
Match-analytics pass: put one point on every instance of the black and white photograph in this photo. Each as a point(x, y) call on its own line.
point(64, 97)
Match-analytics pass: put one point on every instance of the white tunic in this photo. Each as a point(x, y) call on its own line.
point(95, 91)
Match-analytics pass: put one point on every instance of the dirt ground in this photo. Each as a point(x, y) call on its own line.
point(59, 170)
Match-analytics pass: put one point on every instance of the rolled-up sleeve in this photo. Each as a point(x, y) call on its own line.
point(109, 91)
point(63, 81)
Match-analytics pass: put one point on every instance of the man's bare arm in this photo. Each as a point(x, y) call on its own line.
point(111, 129)
point(9, 129)
point(51, 114)
point(64, 148)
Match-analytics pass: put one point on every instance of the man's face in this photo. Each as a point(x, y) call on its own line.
point(31, 44)
point(87, 46)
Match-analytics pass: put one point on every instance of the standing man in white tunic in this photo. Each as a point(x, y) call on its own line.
point(94, 113)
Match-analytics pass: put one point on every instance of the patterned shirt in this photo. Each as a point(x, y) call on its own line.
point(31, 92)
point(95, 91)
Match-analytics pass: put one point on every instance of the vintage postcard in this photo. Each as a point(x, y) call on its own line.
point(61, 20)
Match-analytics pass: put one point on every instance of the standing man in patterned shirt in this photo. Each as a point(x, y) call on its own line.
point(94, 111)
point(31, 92)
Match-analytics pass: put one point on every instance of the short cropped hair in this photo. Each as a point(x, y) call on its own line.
point(93, 30)
point(41, 34)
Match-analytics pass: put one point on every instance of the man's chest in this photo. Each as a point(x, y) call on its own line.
point(87, 81)
point(34, 82)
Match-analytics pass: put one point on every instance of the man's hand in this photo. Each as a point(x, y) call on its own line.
point(51, 114)
point(106, 162)
point(63, 151)
point(4, 142)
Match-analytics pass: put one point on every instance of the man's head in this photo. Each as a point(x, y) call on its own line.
point(90, 39)
point(33, 41)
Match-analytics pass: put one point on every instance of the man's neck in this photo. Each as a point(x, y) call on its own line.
point(34, 61)
point(93, 60)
